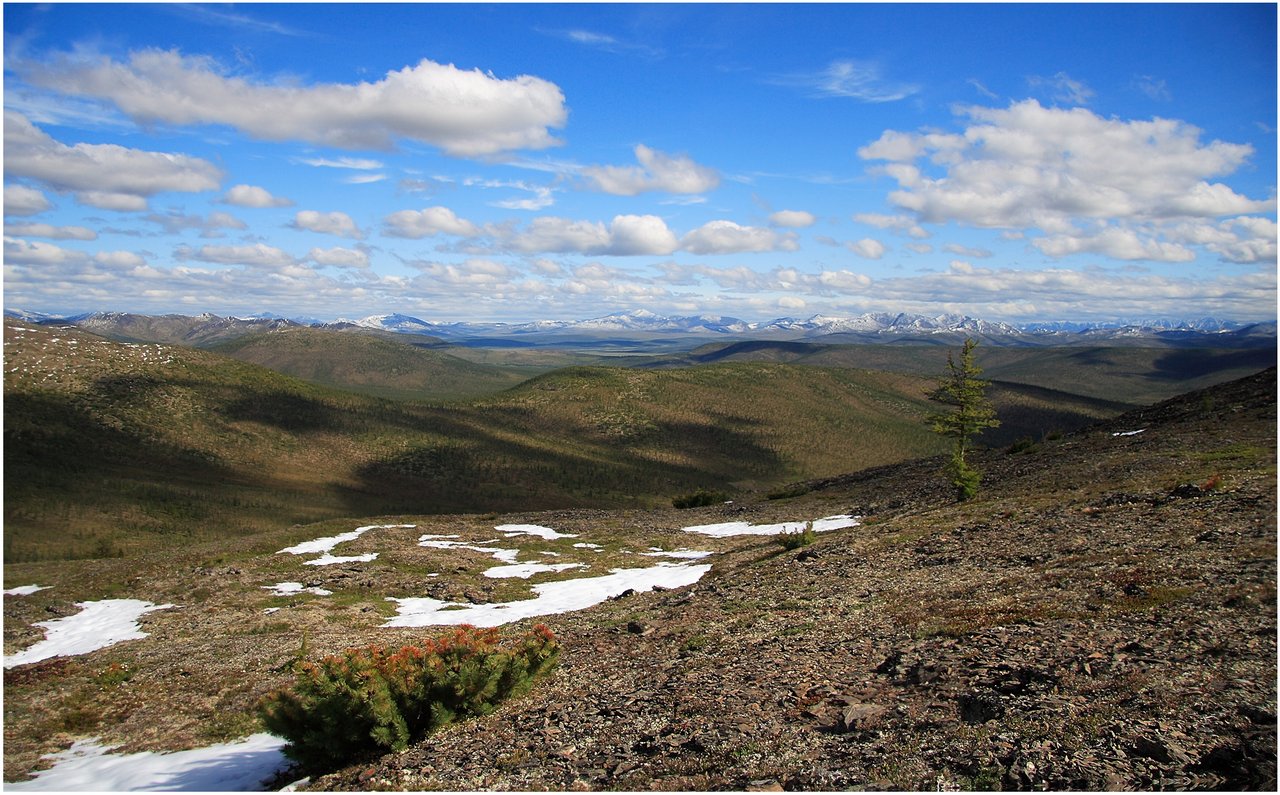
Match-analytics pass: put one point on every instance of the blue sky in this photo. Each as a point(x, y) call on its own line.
point(518, 162)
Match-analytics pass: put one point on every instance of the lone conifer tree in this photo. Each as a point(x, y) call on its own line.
point(971, 412)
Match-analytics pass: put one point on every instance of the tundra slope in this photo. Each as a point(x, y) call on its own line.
point(1102, 616)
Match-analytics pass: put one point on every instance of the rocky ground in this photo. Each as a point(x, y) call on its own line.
point(1102, 616)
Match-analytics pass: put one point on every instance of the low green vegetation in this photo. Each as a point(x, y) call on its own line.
point(371, 700)
point(699, 499)
point(801, 538)
point(388, 365)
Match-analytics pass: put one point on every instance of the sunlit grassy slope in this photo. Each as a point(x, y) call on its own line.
point(1133, 375)
point(111, 447)
point(388, 366)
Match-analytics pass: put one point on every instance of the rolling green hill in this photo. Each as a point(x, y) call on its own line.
point(382, 365)
point(112, 447)
point(1132, 375)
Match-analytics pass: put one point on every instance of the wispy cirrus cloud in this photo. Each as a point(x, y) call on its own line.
point(851, 79)
point(221, 16)
point(1062, 87)
point(605, 42)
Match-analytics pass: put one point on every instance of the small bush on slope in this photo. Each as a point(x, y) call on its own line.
point(370, 699)
point(801, 538)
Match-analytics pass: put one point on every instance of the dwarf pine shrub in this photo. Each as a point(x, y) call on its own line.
point(801, 538)
point(699, 499)
point(373, 700)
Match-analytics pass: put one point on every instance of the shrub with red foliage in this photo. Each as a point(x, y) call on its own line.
point(372, 700)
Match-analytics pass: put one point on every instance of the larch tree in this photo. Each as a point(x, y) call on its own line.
point(970, 413)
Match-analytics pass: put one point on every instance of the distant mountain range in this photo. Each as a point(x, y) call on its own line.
point(815, 326)
point(871, 327)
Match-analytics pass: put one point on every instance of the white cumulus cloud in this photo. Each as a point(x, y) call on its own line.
point(107, 176)
point(466, 113)
point(868, 248)
point(253, 196)
point(728, 237)
point(657, 172)
point(1091, 184)
point(258, 255)
point(50, 231)
point(333, 223)
point(21, 200)
point(794, 219)
point(339, 257)
point(427, 222)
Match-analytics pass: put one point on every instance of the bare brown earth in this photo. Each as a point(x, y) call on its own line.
point(1102, 616)
point(1096, 620)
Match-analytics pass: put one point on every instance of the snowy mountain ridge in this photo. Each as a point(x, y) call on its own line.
point(871, 325)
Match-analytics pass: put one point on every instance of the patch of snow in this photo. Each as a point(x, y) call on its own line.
point(288, 588)
point(679, 554)
point(552, 597)
point(25, 590)
point(240, 766)
point(96, 626)
point(532, 530)
point(526, 570)
point(586, 545)
point(838, 522)
point(727, 529)
point(328, 560)
point(270, 610)
point(327, 544)
point(443, 542)
point(1129, 433)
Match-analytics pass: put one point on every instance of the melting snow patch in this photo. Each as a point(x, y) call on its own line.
point(288, 588)
point(240, 766)
point(328, 560)
point(835, 522)
point(532, 530)
point(726, 529)
point(96, 626)
point(443, 542)
point(680, 554)
point(25, 590)
point(328, 543)
point(526, 570)
point(565, 596)
point(1129, 433)
point(585, 545)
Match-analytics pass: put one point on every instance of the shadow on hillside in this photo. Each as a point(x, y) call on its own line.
point(52, 437)
point(1032, 411)
point(1180, 365)
point(63, 462)
point(475, 469)
point(286, 411)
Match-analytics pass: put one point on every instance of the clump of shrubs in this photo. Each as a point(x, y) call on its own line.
point(802, 538)
point(374, 700)
point(786, 492)
point(1024, 444)
point(699, 498)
